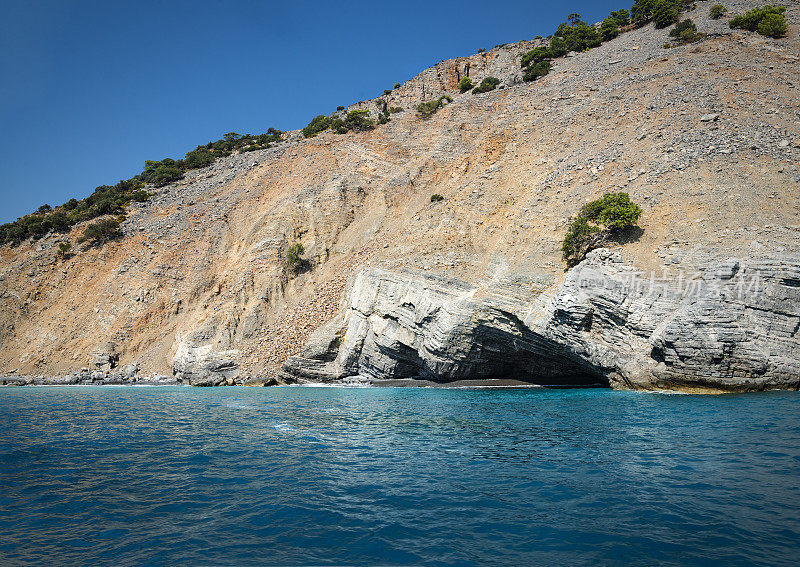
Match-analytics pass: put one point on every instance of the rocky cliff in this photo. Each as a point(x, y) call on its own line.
point(704, 137)
point(733, 327)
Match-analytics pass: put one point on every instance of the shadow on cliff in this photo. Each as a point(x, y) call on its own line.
point(626, 236)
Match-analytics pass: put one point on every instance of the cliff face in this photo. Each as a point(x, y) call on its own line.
point(704, 137)
point(732, 328)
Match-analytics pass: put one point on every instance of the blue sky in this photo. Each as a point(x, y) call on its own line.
point(92, 89)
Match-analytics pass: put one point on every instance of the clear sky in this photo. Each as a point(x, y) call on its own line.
point(90, 89)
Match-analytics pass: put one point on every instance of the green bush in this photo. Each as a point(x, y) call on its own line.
point(294, 256)
point(578, 240)
point(751, 19)
point(396, 109)
point(685, 32)
point(642, 11)
point(535, 55)
point(397, 85)
point(717, 11)
point(662, 12)
point(482, 50)
point(615, 211)
point(621, 17)
point(387, 92)
point(609, 29)
point(488, 84)
point(428, 109)
point(465, 84)
point(773, 25)
point(163, 172)
point(101, 231)
point(199, 157)
point(318, 124)
point(339, 108)
point(665, 13)
point(612, 213)
point(579, 36)
point(63, 249)
point(356, 120)
point(435, 198)
point(536, 70)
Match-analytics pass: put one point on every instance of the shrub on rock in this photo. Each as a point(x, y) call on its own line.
point(665, 13)
point(318, 124)
point(621, 17)
point(101, 231)
point(428, 109)
point(535, 55)
point(609, 29)
point(685, 32)
point(612, 213)
point(356, 120)
point(751, 20)
point(536, 70)
point(488, 84)
point(161, 173)
point(294, 256)
point(773, 25)
point(199, 157)
point(717, 11)
point(465, 84)
point(63, 249)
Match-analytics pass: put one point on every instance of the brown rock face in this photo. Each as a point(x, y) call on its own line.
point(203, 263)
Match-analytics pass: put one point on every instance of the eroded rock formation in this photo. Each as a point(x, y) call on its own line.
point(733, 327)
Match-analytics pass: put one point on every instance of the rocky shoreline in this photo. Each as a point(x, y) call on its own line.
point(733, 327)
point(93, 379)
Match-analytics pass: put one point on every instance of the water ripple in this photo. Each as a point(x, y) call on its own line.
point(330, 476)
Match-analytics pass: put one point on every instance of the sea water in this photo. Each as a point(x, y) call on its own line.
point(373, 476)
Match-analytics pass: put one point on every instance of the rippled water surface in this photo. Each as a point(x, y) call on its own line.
point(321, 476)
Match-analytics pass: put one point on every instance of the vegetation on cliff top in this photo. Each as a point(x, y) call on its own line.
point(768, 21)
point(112, 199)
point(574, 35)
point(353, 121)
point(597, 220)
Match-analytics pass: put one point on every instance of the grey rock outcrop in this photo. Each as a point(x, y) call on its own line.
point(131, 370)
point(104, 357)
point(204, 366)
point(734, 327)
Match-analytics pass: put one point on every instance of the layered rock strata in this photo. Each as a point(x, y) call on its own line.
point(733, 327)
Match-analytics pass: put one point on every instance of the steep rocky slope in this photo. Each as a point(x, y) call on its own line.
point(704, 137)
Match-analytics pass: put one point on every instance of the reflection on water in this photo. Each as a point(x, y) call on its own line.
point(297, 476)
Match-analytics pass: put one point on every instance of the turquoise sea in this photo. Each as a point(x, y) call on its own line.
point(373, 476)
